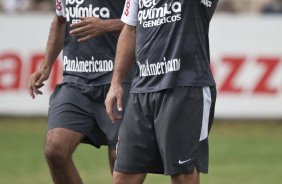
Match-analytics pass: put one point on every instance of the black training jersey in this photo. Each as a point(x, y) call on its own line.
point(172, 46)
point(90, 62)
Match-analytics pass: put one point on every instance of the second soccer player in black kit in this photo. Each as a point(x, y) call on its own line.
point(171, 106)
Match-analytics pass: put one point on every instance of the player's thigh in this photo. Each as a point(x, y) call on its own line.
point(179, 128)
point(69, 113)
point(62, 139)
point(137, 149)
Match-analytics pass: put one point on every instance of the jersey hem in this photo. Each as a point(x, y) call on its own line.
point(154, 89)
point(88, 82)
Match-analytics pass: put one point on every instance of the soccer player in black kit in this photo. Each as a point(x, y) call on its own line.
point(171, 104)
point(87, 31)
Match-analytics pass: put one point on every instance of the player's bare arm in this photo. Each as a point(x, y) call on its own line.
point(125, 57)
point(54, 46)
point(90, 27)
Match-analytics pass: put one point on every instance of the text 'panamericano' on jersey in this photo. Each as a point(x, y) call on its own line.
point(92, 65)
point(159, 68)
point(149, 15)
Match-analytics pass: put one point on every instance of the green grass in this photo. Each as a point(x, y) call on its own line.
point(240, 153)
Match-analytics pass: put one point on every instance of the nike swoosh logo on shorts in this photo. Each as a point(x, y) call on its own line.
point(183, 161)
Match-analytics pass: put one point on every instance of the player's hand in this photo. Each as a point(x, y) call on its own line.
point(36, 81)
point(114, 96)
point(88, 27)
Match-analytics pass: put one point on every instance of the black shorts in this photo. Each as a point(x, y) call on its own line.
point(166, 131)
point(82, 109)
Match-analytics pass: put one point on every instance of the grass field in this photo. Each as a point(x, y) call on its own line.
point(240, 153)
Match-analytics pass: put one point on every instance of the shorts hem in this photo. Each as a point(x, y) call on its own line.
point(137, 171)
point(187, 171)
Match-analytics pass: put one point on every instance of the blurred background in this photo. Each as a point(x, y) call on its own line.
point(246, 59)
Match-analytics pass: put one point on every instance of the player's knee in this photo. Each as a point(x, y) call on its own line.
point(117, 178)
point(56, 151)
point(60, 144)
point(125, 178)
point(191, 178)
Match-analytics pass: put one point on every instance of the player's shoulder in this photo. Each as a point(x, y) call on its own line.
point(60, 7)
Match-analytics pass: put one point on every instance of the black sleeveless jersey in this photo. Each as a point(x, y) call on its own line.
point(172, 43)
